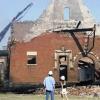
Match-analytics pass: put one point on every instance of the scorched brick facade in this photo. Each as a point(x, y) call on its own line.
point(45, 45)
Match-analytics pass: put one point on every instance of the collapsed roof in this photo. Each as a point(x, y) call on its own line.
point(52, 18)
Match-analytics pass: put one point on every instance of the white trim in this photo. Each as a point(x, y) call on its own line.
point(31, 53)
point(67, 53)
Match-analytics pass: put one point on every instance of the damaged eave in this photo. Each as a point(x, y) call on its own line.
point(75, 30)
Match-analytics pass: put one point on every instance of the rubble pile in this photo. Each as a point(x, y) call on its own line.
point(76, 91)
point(84, 90)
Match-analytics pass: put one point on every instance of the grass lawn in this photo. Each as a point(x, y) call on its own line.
point(40, 97)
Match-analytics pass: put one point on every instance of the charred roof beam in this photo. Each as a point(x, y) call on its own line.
point(76, 30)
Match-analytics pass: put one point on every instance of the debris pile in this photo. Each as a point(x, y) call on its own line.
point(93, 91)
point(84, 91)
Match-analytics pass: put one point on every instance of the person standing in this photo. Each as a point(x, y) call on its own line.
point(49, 84)
point(63, 88)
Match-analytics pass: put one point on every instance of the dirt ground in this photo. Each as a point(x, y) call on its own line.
point(10, 96)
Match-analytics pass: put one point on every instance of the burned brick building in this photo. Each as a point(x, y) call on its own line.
point(36, 47)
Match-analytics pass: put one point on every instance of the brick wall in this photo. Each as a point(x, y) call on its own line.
point(45, 46)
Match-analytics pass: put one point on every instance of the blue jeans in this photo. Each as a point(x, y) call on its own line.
point(49, 93)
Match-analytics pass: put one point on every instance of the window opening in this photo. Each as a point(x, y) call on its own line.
point(66, 13)
point(31, 58)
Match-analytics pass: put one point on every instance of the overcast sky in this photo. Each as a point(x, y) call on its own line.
point(9, 8)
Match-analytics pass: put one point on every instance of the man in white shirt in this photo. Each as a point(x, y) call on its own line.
point(49, 84)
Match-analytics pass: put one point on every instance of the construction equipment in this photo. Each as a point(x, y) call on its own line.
point(16, 18)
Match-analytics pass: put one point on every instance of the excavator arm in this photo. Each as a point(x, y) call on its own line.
point(17, 17)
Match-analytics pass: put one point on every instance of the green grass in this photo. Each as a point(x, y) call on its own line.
point(40, 97)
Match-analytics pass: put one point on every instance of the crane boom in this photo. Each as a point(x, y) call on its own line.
point(4, 31)
point(21, 12)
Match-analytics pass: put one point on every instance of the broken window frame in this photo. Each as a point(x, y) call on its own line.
point(65, 53)
point(33, 57)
